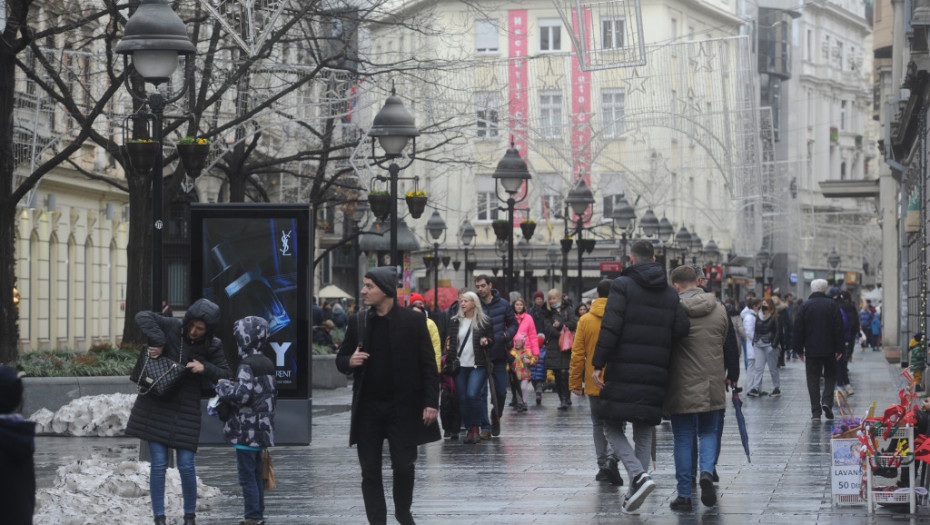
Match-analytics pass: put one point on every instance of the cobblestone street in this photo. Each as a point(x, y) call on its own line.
point(541, 469)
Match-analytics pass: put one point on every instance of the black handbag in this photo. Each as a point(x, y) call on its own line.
point(160, 376)
point(452, 365)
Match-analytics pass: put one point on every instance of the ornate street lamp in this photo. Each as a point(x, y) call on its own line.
point(154, 38)
point(437, 229)
point(466, 234)
point(711, 252)
point(579, 199)
point(624, 217)
point(512, 174)
point(763, 256)
point(392, 128)
point(834, 261)
point(683, 241)
point(525, 252)
point(664, 233)
point(696, 247)
point(553, 254)
point(359, 213)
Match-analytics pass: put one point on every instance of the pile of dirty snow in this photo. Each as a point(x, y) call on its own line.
point(94, 491)
point(103, 416)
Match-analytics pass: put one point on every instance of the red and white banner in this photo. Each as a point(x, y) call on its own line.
point(581, 107)
point(518, 75)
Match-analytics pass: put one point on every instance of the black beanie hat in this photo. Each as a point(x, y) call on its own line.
point(385, 278)
point(11, 390)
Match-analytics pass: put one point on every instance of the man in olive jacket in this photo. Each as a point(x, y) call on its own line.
point(395, 392)
point(641, 320)
point(695, 392)
point(818, 335)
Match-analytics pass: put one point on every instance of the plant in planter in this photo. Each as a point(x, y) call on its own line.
point(380, 203)
point(416, 203)
point(566, 244)
point(142, 153)
point(502, 229)
point(528, 226)
point(193, 153)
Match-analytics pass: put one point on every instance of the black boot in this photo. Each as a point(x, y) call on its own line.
point(190, 519)
point(160, 520)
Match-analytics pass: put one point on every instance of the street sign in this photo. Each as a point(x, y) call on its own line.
point(793, 277)
point(612, 266)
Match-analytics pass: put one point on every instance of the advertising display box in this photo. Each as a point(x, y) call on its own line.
point(254, 259)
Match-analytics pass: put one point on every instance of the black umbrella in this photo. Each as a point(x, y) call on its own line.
point(741, 421)
point(493, 389)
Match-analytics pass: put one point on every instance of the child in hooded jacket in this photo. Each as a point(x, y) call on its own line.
point(251, 426)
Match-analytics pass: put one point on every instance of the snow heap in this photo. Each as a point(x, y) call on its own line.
point(93, 491)
point(104, 416)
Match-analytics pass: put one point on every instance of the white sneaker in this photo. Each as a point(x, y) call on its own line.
point(849, 390)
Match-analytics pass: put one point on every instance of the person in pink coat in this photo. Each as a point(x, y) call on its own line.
point(526, 332)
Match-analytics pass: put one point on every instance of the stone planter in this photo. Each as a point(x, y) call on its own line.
point(892, 354)
point(325, 374)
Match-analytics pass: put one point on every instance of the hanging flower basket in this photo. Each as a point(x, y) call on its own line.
point(142, 155)
point(416, 203)
point(528, 227)
point(566, 244)
point(193, 154)
point(502, 229)
point(380, 204)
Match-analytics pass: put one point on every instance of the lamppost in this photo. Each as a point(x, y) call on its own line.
point(466, 234)
point(665, 232)
point(553, 253)
point(580, 199)
point(683, 242)
point(393, 127)
point(624, 217)
point(512, 174)
point(436, 228)
point(358, 214)
point(696, 247)
point(711, 254)
point(155, 36)
point(834, 261)
point(763, 257)
point(525, 252)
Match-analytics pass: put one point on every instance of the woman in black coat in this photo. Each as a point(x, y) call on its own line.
point(174, 421)
point(556, 316)
point(471, 333)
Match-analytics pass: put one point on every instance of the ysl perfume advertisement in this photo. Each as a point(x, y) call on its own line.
point(252, 259)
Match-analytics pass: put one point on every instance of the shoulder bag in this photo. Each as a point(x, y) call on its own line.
point(452, 366)
point(566, 339)
point(159, 377)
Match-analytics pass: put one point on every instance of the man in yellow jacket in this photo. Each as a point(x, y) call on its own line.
point(580, 370)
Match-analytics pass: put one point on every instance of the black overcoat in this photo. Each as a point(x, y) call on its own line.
point(413, 360)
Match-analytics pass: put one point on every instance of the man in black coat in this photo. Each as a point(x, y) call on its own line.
point(818, 333)
point(640, 322)
point(395, 393)
point(17, 446)
point(505, 327)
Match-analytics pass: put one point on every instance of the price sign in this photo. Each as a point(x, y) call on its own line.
point(845, 466)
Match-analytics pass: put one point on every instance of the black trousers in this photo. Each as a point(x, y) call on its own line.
point(818, 367)
point(561, 386)
point(377, 421)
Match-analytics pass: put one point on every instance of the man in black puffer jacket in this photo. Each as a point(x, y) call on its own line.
point(818, 335)
point(642, 319)
point(505, 327)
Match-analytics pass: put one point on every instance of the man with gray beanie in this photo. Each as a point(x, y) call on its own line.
point(818, 340)
point(395, 392)
point(17, 445)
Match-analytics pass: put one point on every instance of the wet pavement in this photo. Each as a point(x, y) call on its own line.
point(541, 469)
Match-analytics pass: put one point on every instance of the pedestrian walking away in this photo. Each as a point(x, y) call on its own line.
point(818, 340)
point(695, 394)
point(641, 320)
point(579, 381)
point(502, 319)
point(173, 421)
point(250, 428)
point(395, 392)
point(850, 333)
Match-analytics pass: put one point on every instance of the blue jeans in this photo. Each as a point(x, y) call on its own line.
point(471, 387)
point(159, 457)
point(249, 463)
point(685, 427)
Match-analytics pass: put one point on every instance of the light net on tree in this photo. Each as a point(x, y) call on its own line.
point(608, 33)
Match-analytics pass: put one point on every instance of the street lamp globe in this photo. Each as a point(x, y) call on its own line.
point(512, 171)
point(666, 230)
point(683, 238)
point(394, 126)
point(467, 233)
point(650, 223)
point(711, 251)
point(696, 244)
point(833, 259)
point(359, 211)
point(623, 214)
point(524, 248)
point(435, 225)
point(763, 255)
point(155, 36)
point(579, 198)
point(553, 253)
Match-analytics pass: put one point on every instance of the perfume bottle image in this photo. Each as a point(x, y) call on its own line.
point(241, 292)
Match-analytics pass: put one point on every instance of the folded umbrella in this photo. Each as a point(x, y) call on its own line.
point(741, 421)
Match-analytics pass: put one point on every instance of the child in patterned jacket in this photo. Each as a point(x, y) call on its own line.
point(250, 428)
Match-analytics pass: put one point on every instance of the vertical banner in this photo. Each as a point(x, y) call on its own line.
point(518, 72)
point(581, 105)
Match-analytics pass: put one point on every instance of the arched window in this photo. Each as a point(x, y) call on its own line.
point(53, 291)
point(32, 294)
point(112, 305)
point(91, 314)
point(71, 277)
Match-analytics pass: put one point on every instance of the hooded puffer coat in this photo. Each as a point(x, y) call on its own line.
point(175, 421)
point(642, 319)
point(252, 392)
